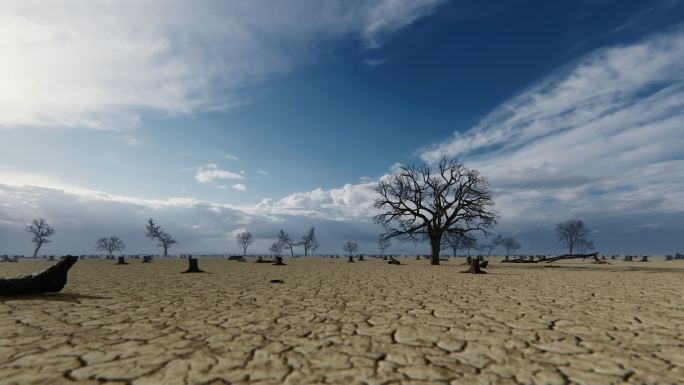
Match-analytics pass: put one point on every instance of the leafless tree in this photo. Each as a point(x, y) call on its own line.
point(584, 245)
point(384, 244)
point(277, 248)
point(350, 248)
point(493, 244)
point(510, 244)
point(571, 233)
point(420, 203)
point(286, 241)
point(110, 245)
point(244, 239)
point(309, 241)
point(457, 241)
point(155, 232)
point(41, 231)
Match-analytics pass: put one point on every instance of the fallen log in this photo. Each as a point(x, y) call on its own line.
point(50, 280)
point(573, 256)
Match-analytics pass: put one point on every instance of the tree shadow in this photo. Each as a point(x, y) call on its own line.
point(59, 297)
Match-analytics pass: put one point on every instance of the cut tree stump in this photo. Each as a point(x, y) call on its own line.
point(644, 258)
point(351, 259)
point(122, 261)
point(474, 267)
point(50, 280)
point(147, 259)
point(193, 267)
point(279, 261)
point(393, 261)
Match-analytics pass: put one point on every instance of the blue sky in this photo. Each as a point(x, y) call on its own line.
point(221, 116)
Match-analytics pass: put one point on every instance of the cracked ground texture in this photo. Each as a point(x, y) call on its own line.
point(331, 322)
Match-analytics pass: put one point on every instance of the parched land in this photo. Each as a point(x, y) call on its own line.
point(331, 322)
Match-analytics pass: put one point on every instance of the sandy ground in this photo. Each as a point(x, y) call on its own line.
point(331, 322)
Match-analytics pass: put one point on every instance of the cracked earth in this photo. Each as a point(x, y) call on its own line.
point(330, 322)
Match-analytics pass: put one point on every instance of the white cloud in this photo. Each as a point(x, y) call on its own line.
point(239, 187)
point(603, 137)
point(80, 64)
point(231, 157)
point(351, 202)
point(262, 172)
point(131, 140)
point(211, 172)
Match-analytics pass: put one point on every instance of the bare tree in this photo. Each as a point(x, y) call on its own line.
point(511, 245)
point(457, 241)
point(277, 248)
point(350, 248)
point(110, 245)
point(384, 244)
point(571, 233)
point(493, 244)
point(584, 245)
point(309, 241)
point(155, 232)
point(286, 241)
point(419, 203)
point(41, 231)
point(244, 239)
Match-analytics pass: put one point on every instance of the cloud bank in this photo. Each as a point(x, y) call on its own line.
point(103, 65)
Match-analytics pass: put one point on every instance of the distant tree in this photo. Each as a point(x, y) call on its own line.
point(470, 243)
point(309, 241)
point(110, 245)
point(584, 245)
point(457, 241)
point(41, 231)
point(384, 244)
point(155, 233)
point(510, 244)
point(420, 203)
point(244, 239)
point(350, 248)
point(277, 248)
point(570, 232)
point(493, 244)
point(286, 241)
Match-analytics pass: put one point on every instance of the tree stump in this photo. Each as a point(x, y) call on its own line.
point(361, 258)
point(669, 257)
point(644, 258)
point(122, 261)
point(628, 258)
point(279, 261)
point(483, 264)
point(351, 259)
point(147, 259)
point(193, 267)
point(393, 261)
point(468, 260)
point(530, 258)
point(384, 257)
point(474, 267)
point(417, 257)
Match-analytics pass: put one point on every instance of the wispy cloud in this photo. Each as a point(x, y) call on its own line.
point(262, 172)
point(374, 62)
point(231, 157)
point(239, 187)
point(211, 172)
point(107, 69)
point(602, 136)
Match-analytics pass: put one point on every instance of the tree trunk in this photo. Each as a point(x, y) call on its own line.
point(361, 258)
point(193, 267)
point(351, 259)
point(279, 261)
point(435, 246)
point(474, 267)
point(35, 251)
point(122, 261)
point(166, 249)
point(51, 258)
point(49, 280)
point(147, 259)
